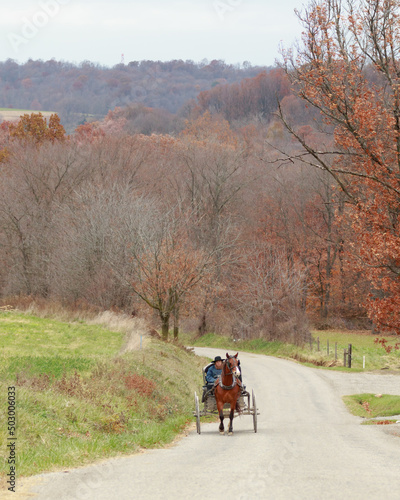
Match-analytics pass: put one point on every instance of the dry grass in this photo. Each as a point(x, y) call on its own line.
point(43, 308)
point(316, 359)
point(136, 330)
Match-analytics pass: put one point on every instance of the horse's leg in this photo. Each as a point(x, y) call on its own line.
point(220, 408)
point(221, 425)
point(234, 404)
point(230, 431)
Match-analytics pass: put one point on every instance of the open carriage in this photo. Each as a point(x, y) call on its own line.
point(246, 406)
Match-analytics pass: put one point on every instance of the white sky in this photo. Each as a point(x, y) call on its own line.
point(100, 31)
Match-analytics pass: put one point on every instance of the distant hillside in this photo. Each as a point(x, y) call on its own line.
point(88, 91)
point(257, 96)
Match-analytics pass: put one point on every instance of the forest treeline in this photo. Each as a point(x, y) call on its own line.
point(271, 201)
point(202, 227)
point(87, 91)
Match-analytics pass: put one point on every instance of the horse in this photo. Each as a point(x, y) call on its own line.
point(227, 390)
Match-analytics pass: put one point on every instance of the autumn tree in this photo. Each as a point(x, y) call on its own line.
point(112, 158)
point(34, 127)
point(4, 140)
point(167, 266)
point(347, 66)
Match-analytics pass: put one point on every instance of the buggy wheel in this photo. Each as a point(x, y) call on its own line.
point(254, 411)
point(196, 402)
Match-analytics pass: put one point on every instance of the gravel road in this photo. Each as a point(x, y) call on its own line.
point(307, 447)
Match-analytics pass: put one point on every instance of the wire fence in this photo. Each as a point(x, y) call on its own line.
point(333, 348)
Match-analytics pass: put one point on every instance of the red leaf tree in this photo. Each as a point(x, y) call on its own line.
point(348, 68)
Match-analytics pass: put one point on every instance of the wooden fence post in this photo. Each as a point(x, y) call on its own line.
point(350, 354)
point(344, 357)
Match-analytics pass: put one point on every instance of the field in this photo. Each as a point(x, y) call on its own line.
point(78, 400)
point(10, 114)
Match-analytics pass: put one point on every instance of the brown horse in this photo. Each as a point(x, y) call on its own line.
point(227, 390)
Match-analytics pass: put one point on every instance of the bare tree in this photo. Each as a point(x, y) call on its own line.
point(96, 233)
point(269, 298)
point(212, 178)
point(34, 182)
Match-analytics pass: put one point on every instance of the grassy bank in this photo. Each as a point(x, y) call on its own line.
point(373, 405)
point(78, 401)
point(363, 344)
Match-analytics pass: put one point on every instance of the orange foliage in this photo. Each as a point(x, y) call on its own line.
point(364, 113)
point(34, 128)
point(209, 127)
point(89, 132)
point(384, 343)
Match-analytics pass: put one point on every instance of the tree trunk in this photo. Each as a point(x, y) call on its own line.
point(203, 325)
point(164, 325)
point(176, 322)
point(202, 328)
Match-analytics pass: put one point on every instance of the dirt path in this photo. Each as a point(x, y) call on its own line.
point(307, 447)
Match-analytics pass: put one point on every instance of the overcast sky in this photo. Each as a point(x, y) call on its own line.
point(101, 31)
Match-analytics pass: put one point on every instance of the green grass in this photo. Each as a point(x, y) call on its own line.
point(79, 401)
point(363, 344)
point(372, 405)
point(30, 335)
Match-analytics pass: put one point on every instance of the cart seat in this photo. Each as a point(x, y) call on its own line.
point(205, 370)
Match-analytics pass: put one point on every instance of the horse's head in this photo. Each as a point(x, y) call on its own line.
point(232, 364)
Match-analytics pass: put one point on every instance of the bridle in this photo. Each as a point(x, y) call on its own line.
point(234, 376)
point(230, 368)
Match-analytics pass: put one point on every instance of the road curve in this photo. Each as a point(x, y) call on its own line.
point(307, 447)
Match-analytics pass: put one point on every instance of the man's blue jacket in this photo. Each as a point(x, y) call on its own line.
point(212, 374)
